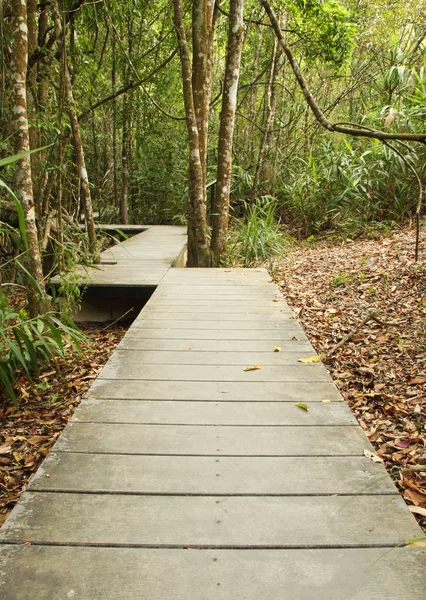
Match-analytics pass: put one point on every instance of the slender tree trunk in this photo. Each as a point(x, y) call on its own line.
point(250, 130)
point(42, 99)
point(37, 297)
point(202, 50)
point(3, 119)
point(78, 145)
point(114, 122)
point(198, 251)
point(263, 166)
point(32, 100)
point(125, 155)
point(226, 129)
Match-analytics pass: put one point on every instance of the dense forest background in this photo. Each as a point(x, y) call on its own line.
point(106, 109)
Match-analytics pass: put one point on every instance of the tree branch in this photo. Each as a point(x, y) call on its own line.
point(129, 87)
point(42, 52)
point(318, 113)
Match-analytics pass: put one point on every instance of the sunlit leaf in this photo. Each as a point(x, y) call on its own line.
point(310, 359)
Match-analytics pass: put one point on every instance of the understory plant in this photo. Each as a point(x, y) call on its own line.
point(32, 343)
point(28, 343)
point(259, 236)
point(347, 185)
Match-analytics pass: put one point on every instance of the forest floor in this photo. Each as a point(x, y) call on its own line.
point(332, 287)
point(381, 370)
point(29, 429)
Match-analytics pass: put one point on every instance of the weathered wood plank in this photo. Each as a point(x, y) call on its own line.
point(223, 346)
point(277, 337)
point(195, 475)
point(274, 325)
point(213, 440)
point(251, 521)
point(124, 370)
point(192, 357)
point(213, 413)
point(217, 313)
point(212, 391)
point(97, 573)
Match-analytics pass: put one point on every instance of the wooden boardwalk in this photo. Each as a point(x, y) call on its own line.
point(183, 476)
point(140, 261)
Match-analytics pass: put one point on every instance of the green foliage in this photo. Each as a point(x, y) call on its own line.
point(259, 236)
point(326, 29)
point(29, 344)
point(347, 186)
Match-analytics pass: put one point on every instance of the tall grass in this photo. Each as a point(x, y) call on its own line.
point(259, 237)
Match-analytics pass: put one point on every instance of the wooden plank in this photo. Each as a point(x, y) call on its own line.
point(253, 324)
point(213, 440)
point(210, 521)
point(124, 370)
point(193, 357)
point(55, 573)
point(224, 346)
point(213, 413)
point(195, 475)
point(277, 337)
point(208, 391)
point(213, 312)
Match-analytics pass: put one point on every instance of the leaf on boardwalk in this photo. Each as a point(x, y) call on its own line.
point(253, 367)
point(421, 543)
point(310, 359)
point(326, 401)
point(277, 348)
point(372, 456)
point(303, 406)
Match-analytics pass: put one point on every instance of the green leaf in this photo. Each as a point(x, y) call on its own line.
point(12, 159)
point(4, 378)
point(303, 406)
point(20, 212)
point(31, 351)
point(56, 336)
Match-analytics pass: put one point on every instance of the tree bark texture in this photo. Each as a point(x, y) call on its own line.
point(78, 145)
point(125, 156)
point(226, 129)
point(198, 251)
point(202, 50)
point(37, 297)
point(263, 166)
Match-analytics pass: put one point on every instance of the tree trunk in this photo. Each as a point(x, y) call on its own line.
point(198, 251)
point(226, 129)
point(125, 155)
point(42, 102)
point(37, 298)
point(263, 166)
point(114, 122)
point(78, 146)
point(202, 50)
